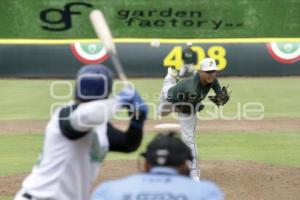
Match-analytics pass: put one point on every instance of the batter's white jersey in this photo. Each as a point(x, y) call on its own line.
point(66, 168)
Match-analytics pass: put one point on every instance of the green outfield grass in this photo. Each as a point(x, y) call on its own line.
point(18, 153)
point(32, 100)
point(265, 147)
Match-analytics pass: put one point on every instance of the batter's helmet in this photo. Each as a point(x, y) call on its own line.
point(93, 82)
point(167, 150)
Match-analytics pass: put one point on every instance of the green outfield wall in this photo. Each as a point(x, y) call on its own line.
point(62, 19)
point(149, 58)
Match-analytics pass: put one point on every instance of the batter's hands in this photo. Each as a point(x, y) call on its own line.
point(221, 99)
point(125, 97)
point(137, 108)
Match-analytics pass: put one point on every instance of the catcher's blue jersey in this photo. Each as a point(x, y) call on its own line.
point(161, 183)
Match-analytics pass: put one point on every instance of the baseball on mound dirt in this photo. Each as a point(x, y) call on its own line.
point(155, 43)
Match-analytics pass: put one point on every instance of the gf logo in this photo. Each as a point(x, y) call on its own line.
point(64, 19)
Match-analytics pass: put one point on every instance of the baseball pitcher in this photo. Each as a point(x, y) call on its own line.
point(185, 96)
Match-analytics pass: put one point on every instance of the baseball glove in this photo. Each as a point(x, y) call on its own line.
point(222, 98)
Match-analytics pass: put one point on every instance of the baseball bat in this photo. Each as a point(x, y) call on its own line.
point(104, 34)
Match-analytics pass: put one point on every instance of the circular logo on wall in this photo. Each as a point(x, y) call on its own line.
point(89, 53)
point(284, 52)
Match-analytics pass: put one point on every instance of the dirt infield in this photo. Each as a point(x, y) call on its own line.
point(239, 179)
point(293, 124)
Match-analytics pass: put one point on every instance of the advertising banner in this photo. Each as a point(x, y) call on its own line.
point(149, 58)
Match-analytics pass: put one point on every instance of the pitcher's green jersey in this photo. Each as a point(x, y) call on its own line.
point(188, 93)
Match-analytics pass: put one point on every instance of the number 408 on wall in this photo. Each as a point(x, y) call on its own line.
point(174, 57)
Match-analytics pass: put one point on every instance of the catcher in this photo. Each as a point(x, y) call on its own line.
point(185, 96)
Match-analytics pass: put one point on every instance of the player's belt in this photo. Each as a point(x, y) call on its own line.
point(27, 196)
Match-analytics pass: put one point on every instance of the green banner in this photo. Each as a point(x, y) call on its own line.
point(56, 19)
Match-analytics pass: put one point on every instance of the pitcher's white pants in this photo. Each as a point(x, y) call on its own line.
point(187, 122)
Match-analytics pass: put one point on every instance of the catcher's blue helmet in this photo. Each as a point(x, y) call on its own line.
point(93, 82)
